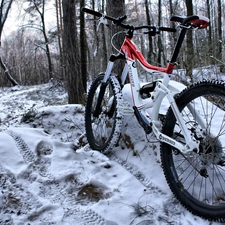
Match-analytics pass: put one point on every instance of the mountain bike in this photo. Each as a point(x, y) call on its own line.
point(191, 133)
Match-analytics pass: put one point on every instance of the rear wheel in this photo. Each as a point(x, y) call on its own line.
point(198, 179)
point(103, 130)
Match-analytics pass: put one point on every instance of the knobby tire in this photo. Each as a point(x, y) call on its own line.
point(198, 179)
point(104, 130)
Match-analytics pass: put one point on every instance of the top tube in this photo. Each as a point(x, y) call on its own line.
point(132, 53)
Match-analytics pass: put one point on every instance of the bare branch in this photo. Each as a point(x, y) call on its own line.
point(4, 10)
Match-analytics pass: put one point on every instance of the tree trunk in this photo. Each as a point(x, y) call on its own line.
point(4, 10)
point(39, 7)
point(173, 40)
point(7, 73)
point(189, 63)
point(151, 54)
point(220, 32)
point(104, 44)
point(160, 47)
point(210, 27)
point(95, 59)
point(116, 8)
point(59, 36)
point(83, 46)
point(47, 50)
point(71, 54)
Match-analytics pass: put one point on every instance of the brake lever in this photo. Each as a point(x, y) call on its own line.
point(103, 21)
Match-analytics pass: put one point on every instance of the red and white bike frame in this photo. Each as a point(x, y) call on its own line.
point(164, 88)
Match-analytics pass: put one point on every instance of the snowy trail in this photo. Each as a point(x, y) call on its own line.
point(137, 173)
point(40, 185)
point(45, 174)
point(49, 186)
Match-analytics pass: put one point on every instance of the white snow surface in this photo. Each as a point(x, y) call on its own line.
point(47, 177)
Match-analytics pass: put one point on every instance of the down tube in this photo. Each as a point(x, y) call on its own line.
point(134, 83)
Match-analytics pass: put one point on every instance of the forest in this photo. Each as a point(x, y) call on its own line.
point(74, 48)
point(49, 171)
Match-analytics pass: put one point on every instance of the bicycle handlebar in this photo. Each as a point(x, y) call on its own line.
point(117, 21)
point(90, 11)
point(153, 30)
point(167, 29)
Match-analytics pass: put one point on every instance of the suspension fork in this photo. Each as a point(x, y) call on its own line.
point(104, 83)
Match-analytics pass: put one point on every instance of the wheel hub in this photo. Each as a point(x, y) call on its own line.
point(210, 150)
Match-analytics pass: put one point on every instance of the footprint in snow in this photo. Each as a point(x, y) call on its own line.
point(43, 151)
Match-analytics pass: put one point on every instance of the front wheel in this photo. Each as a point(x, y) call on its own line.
point(198, 178)
point(103, 130)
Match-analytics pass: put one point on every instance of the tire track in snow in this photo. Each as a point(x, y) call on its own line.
point(27, 154)
point(169, 212)
point(134, 170)
point(14, 197)
point(153, 189)
point(71, 210)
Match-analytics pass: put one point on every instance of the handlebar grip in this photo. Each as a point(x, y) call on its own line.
point(167, 29)
point(120, 19)
point(92, 12)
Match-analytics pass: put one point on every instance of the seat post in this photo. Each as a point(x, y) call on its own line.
point(178, 45)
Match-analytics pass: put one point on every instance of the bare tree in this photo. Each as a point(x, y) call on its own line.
point(151, 53)
point(58, 6)
point(116, 8)
point(4, 10)
point(220, 32)
point(83, 46)
point(190, 47)
point(104, 44)
point(160, 46)
point(29, 65)
point(71, 53)
point(38, 6)
point(210, 27)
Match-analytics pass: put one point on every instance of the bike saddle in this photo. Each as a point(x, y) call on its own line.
point(194, 21)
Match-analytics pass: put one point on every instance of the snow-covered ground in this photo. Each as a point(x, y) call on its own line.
point(49, 175)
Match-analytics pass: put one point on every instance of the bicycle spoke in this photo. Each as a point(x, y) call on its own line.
point(201, 174)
